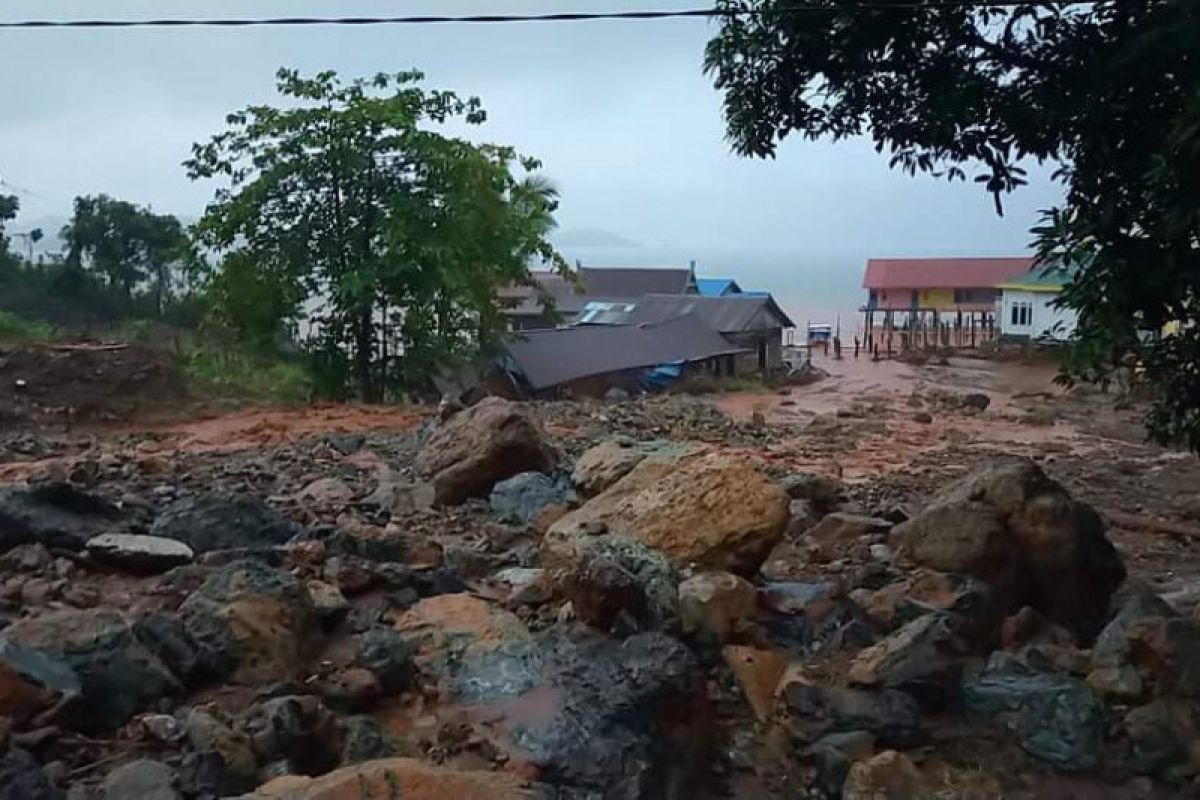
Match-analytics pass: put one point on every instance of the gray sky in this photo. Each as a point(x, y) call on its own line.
point(620, 112)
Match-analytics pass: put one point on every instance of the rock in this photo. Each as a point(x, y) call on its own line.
point(796, 597)
point(27, 558)
point(32, 681)
point(1163, 734)
point(118, 676)
point(1119, 681)
point(139, 553)
point(758, 672)
point(297, 729)
point(707, 508)
point(479, 447)
point(605, 464)
point(595, 717)
point(53, 515)
point(326, 492)
point(254, 619)
point(823, 493)
point(234, 765)
point(1014, 528)
point(165, 636)
point(976, 400)
point(713, 605)
point(890, 716)
point(217, 522)
point(923, 418)
point(523, 585)
point(399, 497)
point(444, 630)
point(143, 779)
point(388, 655)
point(801, 517)
point(887, 776)
point(364, 739)
point(621, 582)
point(400, 778)
point(328, 602)
point(352, 689)
point(521, 498)
point(1168, 652)
point(832, 756)
point(616, 394)
point(1057, 719)
point(839, 530)
point(923, 658)
point(22, 778)
point(1112, 645)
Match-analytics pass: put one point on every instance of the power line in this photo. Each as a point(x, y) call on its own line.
point(583, 16)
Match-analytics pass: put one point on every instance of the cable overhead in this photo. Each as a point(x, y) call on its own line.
point(485, 19)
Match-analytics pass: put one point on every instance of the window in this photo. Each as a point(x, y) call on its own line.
point(1022, 314)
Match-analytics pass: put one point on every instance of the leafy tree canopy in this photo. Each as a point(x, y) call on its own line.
point(1109, 91)
point(8, 212)
point(133, 250)
point(347, 202)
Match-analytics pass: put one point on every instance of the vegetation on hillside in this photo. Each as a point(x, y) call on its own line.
point(344, 211)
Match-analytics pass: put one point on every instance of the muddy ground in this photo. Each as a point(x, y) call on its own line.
point(892, 433)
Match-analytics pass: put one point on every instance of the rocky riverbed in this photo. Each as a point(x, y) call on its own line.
point(648, 599)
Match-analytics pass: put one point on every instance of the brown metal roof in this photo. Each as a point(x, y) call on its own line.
point(559, 355)
point(942, 273)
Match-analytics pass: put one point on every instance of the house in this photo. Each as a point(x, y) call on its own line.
point(528, 309)
point(1028, 309)
point(588, 360)
point(752, 323)
point(938, 284)
point(717, 287)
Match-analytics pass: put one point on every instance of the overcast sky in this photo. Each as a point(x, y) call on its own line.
point(620, 112)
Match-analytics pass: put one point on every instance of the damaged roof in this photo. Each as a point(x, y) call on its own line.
point(729, 314)
point(596, 282)
point(560, 355)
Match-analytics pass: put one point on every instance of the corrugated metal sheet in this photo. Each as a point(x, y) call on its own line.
point(598, 283)
point(730, 314)
point(717, 287)
point(552, 357)
point(942, 273)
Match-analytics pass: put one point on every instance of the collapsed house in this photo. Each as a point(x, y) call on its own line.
point(590, 360)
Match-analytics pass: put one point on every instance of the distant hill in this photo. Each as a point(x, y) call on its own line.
point(590, 237)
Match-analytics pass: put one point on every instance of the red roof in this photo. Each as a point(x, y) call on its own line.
point(942, 273)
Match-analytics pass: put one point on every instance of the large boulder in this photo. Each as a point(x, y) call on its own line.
point(924, 658)
point(608, 462)
point(53, 514)
point(207, 522)
point(254, 620)
point(479, 447)
point(620, 583)
point(581, 711)
point(1057, 719)
point(1016, 529)
point(118, 676)
point(706, 508)
point(400, 778)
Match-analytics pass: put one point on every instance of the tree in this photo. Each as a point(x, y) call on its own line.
point(1107, 91)
point(350, 201)
point(132, 249)
point(9, 206)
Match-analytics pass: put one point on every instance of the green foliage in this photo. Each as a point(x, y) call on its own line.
point(13, 327)
point(132, 250)
point(254, 378)
point(9, 206)
point(1108, 91)
point(349, 201)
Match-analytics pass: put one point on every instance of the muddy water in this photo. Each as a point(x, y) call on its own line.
point(861, 418)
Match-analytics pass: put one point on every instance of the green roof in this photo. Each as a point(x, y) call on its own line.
point(1044, 276)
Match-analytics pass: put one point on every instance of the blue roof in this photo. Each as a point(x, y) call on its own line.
point(717, 287)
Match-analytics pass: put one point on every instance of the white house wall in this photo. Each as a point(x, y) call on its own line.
point(1046, 320)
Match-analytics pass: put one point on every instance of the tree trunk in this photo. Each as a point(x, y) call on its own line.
point(363, 345)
